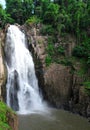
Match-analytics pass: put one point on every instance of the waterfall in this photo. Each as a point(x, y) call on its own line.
point(22, 86)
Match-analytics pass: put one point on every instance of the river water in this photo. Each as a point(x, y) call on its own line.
point(53, 120)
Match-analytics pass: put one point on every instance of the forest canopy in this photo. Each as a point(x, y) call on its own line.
point(57, 16)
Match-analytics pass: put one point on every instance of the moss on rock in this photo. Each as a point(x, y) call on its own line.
point(5, 115)
point(3, 118)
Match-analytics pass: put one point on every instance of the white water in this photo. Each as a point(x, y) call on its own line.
point(22, 86)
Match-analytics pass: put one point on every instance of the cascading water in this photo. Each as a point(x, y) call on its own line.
point(22, 86)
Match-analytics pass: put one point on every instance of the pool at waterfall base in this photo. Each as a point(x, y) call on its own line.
point(55, 119)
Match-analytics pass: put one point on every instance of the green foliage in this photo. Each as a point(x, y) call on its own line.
point(4, 126)
point(82, 71)
point(14, 8)
point(51, 13)
point(78, 11)
point(69, 16)
point(44, 6)
point(88, 61)
point(33, 20)
point(60, 50)
point(48, 60)
point(38, 11)
point(59, 17)
point(4, 18)
point(50, 49)
point(63, 22)
point(87, 87)
point(47, 29)
point(19, 10)
point(79, 51)
point(83, 50)
point(64, 61)
point(27, 9)
point(54, 52)
point(3, 119)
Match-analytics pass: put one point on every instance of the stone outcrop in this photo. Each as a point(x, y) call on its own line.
point(58, 85)
point(37, 43)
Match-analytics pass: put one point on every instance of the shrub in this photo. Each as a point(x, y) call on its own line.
point(50, 15)
point(79, 51)
point(61, 50)
point(87, 87)
point(33, 20)
point(88, 61)
point(48, 60)
point(50, 49)
point(47, 29)
point(66, 62)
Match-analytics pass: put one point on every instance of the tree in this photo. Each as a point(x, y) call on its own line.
point(4, 17)
point(14, 8)
point(44, 6)
point(20, 10)
point(51, 13)
point(28, 7)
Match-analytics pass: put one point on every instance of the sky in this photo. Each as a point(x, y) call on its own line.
point(3, 3)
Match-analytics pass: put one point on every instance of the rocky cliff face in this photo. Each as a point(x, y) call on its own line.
point(2, 68)
point(11, 118)
point(60, 86)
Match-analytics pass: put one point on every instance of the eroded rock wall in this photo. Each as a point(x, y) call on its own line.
point(61, 87)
